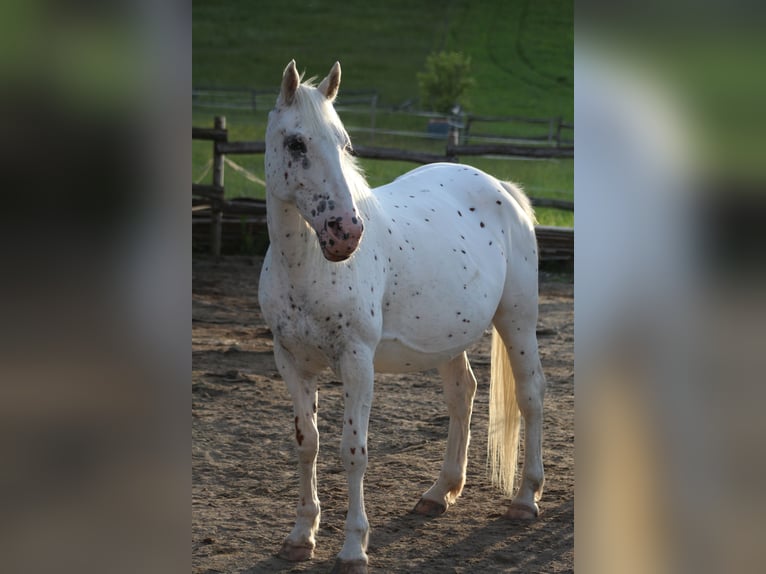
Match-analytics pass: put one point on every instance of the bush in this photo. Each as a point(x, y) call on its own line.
point(444, 81)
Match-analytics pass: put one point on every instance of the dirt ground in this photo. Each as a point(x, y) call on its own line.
point(244, 465)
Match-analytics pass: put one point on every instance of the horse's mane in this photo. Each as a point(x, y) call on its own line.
point(322, 118)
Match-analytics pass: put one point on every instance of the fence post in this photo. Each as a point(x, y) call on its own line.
point(216, 208)
point(558, 132)
point(373, 109)
point(550, 130)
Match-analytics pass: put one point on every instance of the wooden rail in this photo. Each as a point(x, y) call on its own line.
point(555, 243)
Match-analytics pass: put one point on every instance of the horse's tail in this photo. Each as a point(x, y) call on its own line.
point(521, 198)
point(504, 419)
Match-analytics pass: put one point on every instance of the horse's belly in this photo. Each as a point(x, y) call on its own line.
point(393, 355)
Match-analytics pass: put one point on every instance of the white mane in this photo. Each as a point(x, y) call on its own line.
point(321, 118)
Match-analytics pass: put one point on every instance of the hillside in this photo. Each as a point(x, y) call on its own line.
point(522, 51)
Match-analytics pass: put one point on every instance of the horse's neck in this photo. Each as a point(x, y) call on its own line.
point(290, 236)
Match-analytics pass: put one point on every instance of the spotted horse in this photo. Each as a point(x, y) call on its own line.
point(399, 278)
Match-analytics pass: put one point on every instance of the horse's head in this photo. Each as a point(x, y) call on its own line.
point(308, 161)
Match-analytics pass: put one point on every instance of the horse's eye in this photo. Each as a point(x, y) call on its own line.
point(295, 145)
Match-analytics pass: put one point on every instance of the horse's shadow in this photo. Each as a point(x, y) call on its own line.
point(276, 564)
point(514, 543)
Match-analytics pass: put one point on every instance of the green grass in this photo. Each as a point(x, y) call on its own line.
point(521, 59)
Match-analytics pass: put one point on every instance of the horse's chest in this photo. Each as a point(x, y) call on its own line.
point(315, 319)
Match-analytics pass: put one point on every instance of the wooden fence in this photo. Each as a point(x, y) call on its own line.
point(462, 127)
point(555, 243)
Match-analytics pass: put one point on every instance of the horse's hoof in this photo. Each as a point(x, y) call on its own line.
point(296, 552)
point(349, 567)
point(427, 507)
point(522, 511)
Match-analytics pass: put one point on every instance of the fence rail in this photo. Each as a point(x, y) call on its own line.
point(470, 128)
point(555, 243)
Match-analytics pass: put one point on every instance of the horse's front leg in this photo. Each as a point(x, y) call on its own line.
point(299, 545)
point(356, 371)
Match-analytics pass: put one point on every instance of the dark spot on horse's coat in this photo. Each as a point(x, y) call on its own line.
point(298, 433)
point(350, 421)
point(354, 432)
point(363, 451)
point(481, 224)
point(305, 164)
point(285, 175)
point(522, 352)
point(472, 209)
point(460, 214)
point(321, 206)
point(498, 202)
point(353, 450)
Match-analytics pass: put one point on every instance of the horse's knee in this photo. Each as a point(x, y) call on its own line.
point(307, 441)
point(354, 454)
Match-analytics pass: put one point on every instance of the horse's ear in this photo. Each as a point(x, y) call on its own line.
point(329, 86)
point(290, 81)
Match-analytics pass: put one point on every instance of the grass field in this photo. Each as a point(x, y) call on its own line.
point(521, 60)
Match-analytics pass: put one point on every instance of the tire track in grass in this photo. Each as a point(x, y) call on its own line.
point(534, 77)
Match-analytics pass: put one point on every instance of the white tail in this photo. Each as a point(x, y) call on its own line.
point(504, 419)
point(522, 199)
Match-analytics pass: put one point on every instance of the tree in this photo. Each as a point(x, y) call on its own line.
point(445, 80)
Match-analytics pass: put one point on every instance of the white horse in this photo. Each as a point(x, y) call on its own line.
point(399, 278)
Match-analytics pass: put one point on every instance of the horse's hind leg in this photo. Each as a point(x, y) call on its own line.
point(459, 390)
point(516, 321)
point(300, 543)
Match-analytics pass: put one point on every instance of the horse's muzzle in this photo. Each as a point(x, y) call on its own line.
point(339, 236)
